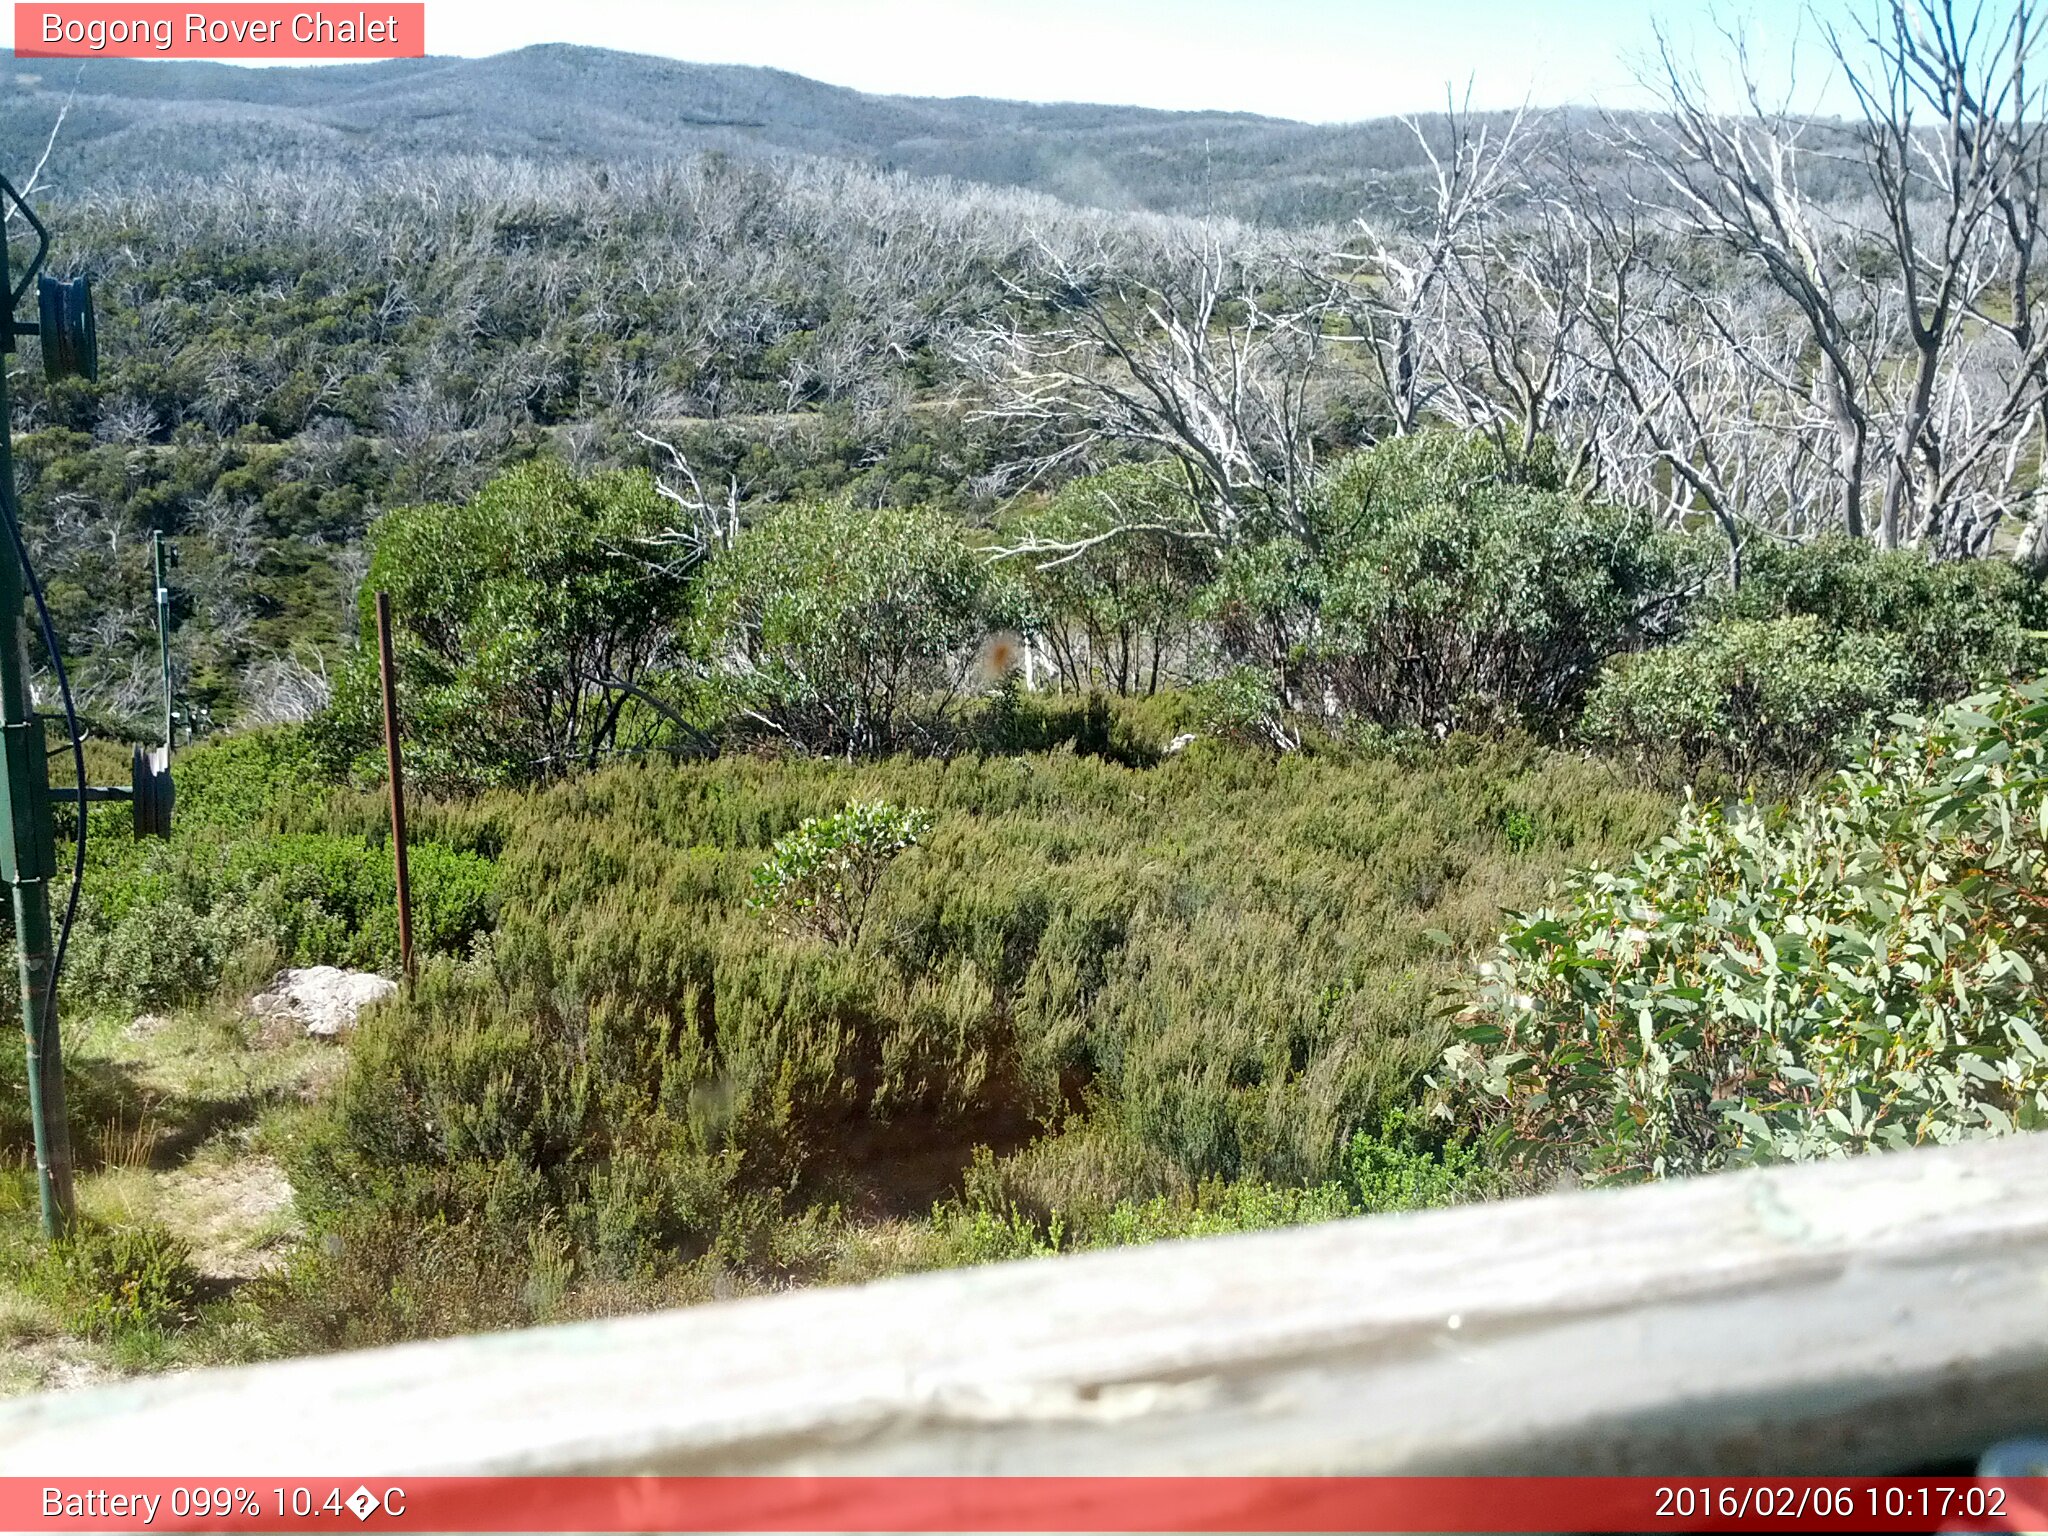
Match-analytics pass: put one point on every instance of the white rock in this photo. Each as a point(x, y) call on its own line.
point(325, 998)
point(1181, 743)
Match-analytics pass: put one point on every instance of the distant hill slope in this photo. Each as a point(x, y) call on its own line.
point(134, 119)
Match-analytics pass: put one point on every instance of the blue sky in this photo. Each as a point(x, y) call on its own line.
point(1322, 60)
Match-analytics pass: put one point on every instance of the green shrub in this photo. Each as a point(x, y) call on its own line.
point(1783, 697)
point(1955, 625)
point(1265, 610)
point(382, 1274)
point(1452, 587)
point(1215, 1207)
point(1115, 610)
point(1404, 1165)
point(1467, 590)
point(980, 1229)
point(161, 927)
point(1518, 829)
point(536, 628)
point(844, 629)
point(1407, 1165)
point(1131, 731)
point(108, 1280)
point(246, 875)
point(1244, 706)
point(821, 878)
point(1856, 971)
point(243, 782)
point(1218, 969)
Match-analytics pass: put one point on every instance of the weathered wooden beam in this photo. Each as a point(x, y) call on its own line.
point(1879, 1314)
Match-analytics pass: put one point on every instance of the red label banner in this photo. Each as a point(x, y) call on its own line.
point(1023, 1504)
point(225, 31)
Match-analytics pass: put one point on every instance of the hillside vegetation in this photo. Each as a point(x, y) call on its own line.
point(132, 120)
point(1099, 1001)
point(776, 933)
point(947, 724)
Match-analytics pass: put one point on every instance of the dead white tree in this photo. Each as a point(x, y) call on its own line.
point(1737, 180)
point(1397, 287)
point(1517, 365)
point(29, 187)
point(705, 527)
point(1949, 135)
point(1922, 363)
point(1196, 352)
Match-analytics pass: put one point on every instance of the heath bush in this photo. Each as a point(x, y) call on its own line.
point(1783, 697)
point(844, 629)
point(1855, 971)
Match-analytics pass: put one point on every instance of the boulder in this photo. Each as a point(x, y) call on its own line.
point(323, 998)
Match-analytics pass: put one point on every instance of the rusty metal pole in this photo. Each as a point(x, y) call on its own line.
point(388, 673)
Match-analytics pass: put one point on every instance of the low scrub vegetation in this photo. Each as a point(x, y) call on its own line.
point(1096, 1003)
point(777, 930)
point(262, 874)
point(1856, 971)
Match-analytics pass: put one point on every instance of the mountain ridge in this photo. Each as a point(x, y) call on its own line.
point(136, 119)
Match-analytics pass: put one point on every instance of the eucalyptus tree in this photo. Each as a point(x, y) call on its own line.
point(1204, 347)
point(1904, 244)
point(1401, 284)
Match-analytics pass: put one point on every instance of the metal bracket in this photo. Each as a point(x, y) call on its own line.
point(150, 792)
point(27, 845)
point(35, 262)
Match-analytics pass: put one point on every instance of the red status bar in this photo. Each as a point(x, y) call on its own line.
point(1024, 1504)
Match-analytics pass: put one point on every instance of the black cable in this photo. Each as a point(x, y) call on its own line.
point(35, 587)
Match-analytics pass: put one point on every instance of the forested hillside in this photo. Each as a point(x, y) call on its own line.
point(131, 120)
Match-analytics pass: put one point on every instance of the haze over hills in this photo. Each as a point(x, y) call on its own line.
point(132, 120)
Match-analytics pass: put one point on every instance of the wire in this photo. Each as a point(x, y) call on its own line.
point(49, 634)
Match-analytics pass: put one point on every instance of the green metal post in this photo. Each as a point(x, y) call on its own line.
point(28, 844)
point(163, 636)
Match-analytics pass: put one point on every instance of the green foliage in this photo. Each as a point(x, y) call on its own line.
point(627, 1063)
point(265, 867)
point(1778, 697)
point(163, 926)
point(1788, 674)
point(1518, 829)
point(842, 628)
point(1115, 609)
point(243, 782)
point(1449, 586)
point(1408, 1166)
point(1955, 626)
point(1130, 731)
point(1005, 1212)
point(104, 1281)
point(535, 625)
point(1465, 589)
point(821, 878)
point(281, 360)
point(1856, 971)
point(1244, 706)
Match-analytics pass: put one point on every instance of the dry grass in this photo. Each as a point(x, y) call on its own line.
point(173, 1128)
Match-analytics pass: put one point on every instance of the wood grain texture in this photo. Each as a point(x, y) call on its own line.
point(1863, 1316)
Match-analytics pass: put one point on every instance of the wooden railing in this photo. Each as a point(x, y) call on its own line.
point(1882, 1314)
